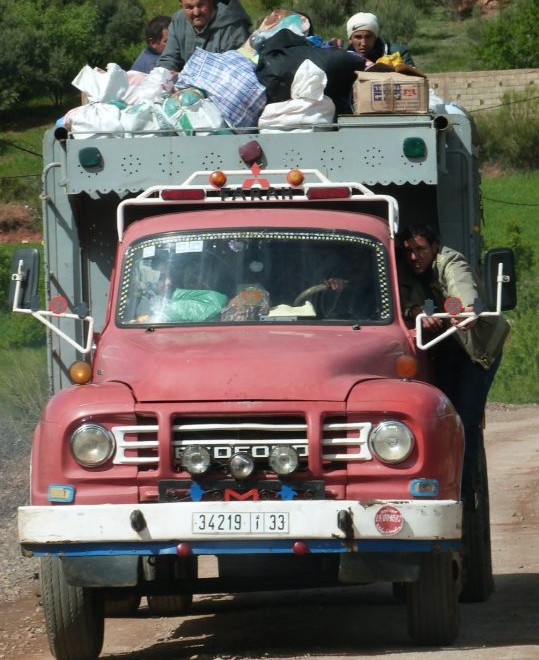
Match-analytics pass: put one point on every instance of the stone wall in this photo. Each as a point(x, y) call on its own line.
point(476, 90)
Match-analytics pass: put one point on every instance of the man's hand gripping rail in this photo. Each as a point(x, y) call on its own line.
point(468, 317)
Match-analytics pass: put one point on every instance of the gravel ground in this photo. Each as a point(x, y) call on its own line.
point(16, 572)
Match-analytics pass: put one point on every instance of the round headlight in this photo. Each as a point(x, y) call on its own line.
point(392, 442)
point(241, 466)
point(92, 445)
point(196, 459)
point(283, 460)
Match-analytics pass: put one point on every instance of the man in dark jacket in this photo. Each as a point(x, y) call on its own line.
point(363, 31)
point(156, 40)
point(213, 25)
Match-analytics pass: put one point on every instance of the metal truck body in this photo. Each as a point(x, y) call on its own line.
point(178, 443)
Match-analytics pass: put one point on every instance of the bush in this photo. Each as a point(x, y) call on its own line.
point(510, 134)
point(509, 40)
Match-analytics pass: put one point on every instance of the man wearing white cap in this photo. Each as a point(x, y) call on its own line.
point(363, 31)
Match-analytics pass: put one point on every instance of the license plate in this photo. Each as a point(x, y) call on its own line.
point(240, 523)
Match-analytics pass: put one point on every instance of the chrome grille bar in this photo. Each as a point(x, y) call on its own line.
point(123, 445)
point(359, 445)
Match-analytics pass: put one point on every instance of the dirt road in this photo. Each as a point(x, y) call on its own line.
point(354, 622)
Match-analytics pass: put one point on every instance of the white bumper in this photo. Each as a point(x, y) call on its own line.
point(435, 520)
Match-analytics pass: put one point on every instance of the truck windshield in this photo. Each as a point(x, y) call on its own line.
point(254, 276)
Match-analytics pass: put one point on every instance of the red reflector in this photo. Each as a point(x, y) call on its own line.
point(183, 550)
point(300, 548)
point(453, 305)
point(180, 194)
point(338, 192)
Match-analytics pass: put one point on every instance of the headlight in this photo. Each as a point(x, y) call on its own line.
point(392, 442)
point(241, 466)
point(92, 445)
point(196, 459)
point(283, 460)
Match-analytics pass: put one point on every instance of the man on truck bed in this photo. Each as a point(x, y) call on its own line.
point(213, 25)
point(466, 362)
point(156, 40)
point(363, 31)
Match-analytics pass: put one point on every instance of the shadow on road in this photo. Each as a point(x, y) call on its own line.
point(337, 622)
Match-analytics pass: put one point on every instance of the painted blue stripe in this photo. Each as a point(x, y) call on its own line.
point(237, 547)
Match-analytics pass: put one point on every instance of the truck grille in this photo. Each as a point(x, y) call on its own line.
point(225, 437)
point(342, 442)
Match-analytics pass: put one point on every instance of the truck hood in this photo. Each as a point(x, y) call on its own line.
point(238, 364)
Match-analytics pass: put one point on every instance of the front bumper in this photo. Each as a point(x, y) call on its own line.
point(326, 526)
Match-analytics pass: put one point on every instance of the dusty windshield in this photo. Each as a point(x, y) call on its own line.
point(259, 276)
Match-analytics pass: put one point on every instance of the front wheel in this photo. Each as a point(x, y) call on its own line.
point(74, 616)
point(432, 601)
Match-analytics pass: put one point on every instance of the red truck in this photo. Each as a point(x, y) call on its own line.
point(245, 386)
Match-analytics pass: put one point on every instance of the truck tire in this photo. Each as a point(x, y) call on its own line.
point(432, 602)
point(74, 617)
point(122, 607)
point(478, 580)
point(176, 605)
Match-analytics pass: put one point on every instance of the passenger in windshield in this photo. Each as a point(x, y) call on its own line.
point(183, 293)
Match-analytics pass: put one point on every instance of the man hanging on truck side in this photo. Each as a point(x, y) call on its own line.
point(467, 361)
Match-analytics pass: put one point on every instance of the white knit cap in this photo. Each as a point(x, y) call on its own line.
point(362, 21)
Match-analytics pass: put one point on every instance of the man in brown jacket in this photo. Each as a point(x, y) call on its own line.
point(466, 362)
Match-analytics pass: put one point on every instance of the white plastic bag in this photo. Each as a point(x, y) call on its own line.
point(140, 118)
point(102, 86)
point(94, 120)
point(308, 106)
point(149, 87)
point(192, 118)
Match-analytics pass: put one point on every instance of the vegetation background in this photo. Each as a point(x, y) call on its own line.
point(46, 42)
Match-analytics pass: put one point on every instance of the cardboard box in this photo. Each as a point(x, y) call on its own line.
point(390, 92)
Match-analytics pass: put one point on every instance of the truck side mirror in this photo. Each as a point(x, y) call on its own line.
point(25, 271)
point(491, 263)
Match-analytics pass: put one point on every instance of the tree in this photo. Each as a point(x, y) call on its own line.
point(509, 39)
point(46, 42)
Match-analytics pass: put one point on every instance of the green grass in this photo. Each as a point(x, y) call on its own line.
point(442, 42)
point(20, 151)
point(23, 394)
point(512, 198)
point(21, 138)
point(511, 202)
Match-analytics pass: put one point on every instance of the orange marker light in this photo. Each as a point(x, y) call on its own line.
point(406, 366)
point(80, 372)
point(217, 179)
point(295, 177)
